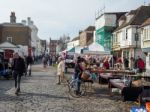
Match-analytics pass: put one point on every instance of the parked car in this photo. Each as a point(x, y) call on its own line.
point(70, 61)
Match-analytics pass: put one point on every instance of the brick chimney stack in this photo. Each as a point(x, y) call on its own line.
point(12, 17)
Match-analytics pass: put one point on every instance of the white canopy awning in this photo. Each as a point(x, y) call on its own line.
point(96, 49)
point(1, 50)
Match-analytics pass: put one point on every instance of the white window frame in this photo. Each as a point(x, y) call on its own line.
point(9, 39)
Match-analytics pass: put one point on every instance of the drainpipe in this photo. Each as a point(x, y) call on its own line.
point(136, 40)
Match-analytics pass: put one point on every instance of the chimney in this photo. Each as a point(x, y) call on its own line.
point(12, 17)
point(29, 20)
point(23, 22)
point(80, 32)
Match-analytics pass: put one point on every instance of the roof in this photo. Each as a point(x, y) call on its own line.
point(76, 38)
point(90, 28)
point(118, 14)
point(90, 41)
point(139, 16)
point(8, 45)
point(13, 24)
point(147, 22)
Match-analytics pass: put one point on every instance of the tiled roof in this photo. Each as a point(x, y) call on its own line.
point(90, 28)
point(147, 22)
point(139, 16)
point(118, 14)
point(13, 24)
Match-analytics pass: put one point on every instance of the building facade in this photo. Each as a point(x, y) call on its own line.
point(53, 47)
point(145, 41)
point(126, 38)
point(15, 33)
point(75, 42)
point(86, 36)
point(105, 25)
point(35, 40)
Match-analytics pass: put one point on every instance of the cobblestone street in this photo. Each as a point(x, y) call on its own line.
point(40, 93)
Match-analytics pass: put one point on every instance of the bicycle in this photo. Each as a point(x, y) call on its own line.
point(72, 86)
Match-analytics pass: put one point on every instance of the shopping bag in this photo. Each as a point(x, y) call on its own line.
point(29, 67)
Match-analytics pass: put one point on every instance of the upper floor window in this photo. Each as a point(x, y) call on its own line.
point(146, 34)
point(9, 39)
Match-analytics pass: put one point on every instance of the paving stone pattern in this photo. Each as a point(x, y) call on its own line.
point(40, 93)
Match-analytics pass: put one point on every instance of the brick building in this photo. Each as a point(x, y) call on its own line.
point(53, 46)
point(15, 33)
point(86, 36)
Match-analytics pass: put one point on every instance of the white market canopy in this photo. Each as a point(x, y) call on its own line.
point(1, 50)
point(7, 45)
point(96, 49)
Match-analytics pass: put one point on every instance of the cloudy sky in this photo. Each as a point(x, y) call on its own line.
point(57, 17)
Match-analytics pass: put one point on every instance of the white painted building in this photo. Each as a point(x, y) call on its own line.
point(75, 42)
point(35, 40)
point(126, 38)
point(105, 25)
point(145, 41)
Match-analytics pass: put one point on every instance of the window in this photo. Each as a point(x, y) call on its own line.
point(146, 34)
point(9, 39)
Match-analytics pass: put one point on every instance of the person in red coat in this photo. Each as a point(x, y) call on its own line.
point(140, 65)
point(106, 64)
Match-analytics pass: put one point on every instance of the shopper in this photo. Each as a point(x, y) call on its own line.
point(18, 70)
point(60, 70)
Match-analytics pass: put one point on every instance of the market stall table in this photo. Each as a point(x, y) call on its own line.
point(111, 74)
point(128, 93)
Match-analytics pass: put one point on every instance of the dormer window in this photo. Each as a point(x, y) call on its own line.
point(121, 22)
point(129, 17)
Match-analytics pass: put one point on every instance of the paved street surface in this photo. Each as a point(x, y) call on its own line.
point(40, 93)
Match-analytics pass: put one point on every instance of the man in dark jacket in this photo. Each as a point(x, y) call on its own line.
point(78, 72)
point(18, 70)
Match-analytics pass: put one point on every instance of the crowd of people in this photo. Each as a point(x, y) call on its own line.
point(49, 60)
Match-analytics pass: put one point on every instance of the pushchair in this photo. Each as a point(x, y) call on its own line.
point(5, 71)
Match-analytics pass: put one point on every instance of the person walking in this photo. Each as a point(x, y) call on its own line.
point(60, 70)
point(78, 72)
point(53, 60)
point(29, 62)
point(44, 60)
point(18, 70)
point(126, 63)
point(140, 65)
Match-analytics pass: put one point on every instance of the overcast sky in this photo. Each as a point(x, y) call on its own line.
point(57, 17)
